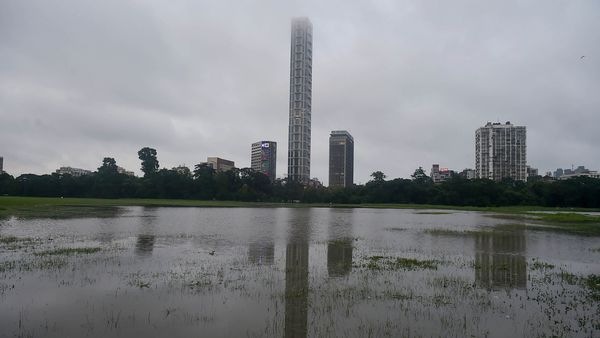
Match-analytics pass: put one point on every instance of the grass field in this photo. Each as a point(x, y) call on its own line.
point(66, 207)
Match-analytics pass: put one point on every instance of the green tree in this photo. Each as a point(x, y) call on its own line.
point(420, 176)
point(109, 167)
point(378, 176)
point(149, 161)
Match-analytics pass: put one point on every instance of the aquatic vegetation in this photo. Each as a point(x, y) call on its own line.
point(568, 217)
point(398, 263)
point(450, 232)
point(148, 272)
point(68, 251)
point(539, 265)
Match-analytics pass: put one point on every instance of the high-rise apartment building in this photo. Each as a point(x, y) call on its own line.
point(300, 100)
point(341, 159)
point(501, 152)
point(264, 158)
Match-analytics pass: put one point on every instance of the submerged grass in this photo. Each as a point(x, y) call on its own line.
point(538, 265)
point(68, 251)
point(449, 232)
point(398, 263)
point(13, 239)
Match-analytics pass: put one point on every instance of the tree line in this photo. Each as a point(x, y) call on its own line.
point(204, 183)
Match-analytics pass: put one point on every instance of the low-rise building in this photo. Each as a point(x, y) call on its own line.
point(439, 175)
point(220, 164)
point(124, 171)
point(531, 172)
point(75, 172)
point(588, 173)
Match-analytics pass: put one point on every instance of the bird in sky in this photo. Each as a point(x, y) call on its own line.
point(582, 57)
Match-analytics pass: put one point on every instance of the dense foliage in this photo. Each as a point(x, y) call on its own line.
point(248, 185)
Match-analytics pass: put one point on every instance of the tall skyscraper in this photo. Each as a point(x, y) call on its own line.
point(341, 159)
point(264, 158)
point(501, 152)
point(300, 100)
point(1, 164)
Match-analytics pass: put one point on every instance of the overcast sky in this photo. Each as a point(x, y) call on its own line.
point(410, 80)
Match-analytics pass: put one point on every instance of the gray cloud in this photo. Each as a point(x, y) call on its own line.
point(411, 80)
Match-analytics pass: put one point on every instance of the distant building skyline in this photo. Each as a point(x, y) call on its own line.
point(341, 159)
point(501, 152)
point(1, 164)
point(300, 109)
point(263, 158)
point(75, 172)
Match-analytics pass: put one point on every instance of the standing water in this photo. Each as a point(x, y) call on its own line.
point(140, 271)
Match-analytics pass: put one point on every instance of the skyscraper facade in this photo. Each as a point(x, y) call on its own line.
point(341, 159)
point(300, 100)
point(264, 158)
point(501, 152)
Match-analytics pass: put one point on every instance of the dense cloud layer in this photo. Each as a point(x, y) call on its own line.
point(411, 80)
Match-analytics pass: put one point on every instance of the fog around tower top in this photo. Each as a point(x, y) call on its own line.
point(410, 80)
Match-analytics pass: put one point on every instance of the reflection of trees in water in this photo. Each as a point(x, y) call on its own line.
point(144, 245)
point(296, 274)
point(339, 257)
point(146, 238)
point(261, 252)
point(500, 260)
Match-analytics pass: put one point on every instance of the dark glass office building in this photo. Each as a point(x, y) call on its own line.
point(341, 159)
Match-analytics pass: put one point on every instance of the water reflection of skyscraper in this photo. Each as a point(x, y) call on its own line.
point(339, 247)
point(296, 273)
point(144, 245)
point(261, 252)
point(500, 260)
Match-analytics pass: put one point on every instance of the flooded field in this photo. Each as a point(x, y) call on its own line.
point(254, 272)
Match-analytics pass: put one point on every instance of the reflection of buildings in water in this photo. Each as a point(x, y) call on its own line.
point(261, 253)
point(296, 289)
point(296, 273)
point(500, 260)
point(144, 245)
point(339, 257)
point(339, 247)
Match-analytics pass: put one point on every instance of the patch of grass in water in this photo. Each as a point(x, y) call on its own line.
point(398, 263)
point(7, 266)
point(52, 263)
point(13, 239)
point(568, 218)
point(569, 278)
point(593, 283)
point(68, 251)
point(399, 295)
point(538, 265)
point(449, 232)
point(583, 229)
point(396, 229)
